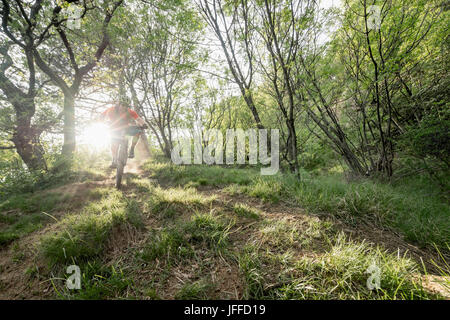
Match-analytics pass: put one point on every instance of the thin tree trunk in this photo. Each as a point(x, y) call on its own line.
point(69, 125)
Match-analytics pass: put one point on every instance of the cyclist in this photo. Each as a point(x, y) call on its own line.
point(121, 119)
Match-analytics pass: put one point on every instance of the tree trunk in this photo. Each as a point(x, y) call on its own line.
point(26, 142)
point(69, 125)
point(167, 145)
point(25, 136)
point(292, 147)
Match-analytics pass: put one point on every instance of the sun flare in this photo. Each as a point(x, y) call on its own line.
point(96, 136)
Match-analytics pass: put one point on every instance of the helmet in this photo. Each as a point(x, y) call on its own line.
point(124, 100)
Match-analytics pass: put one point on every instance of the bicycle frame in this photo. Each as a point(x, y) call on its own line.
point(122, 156)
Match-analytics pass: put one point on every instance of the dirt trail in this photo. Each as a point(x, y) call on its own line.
point(21, 270)
point(19, 259)
point(365, 231)
point(368, 232)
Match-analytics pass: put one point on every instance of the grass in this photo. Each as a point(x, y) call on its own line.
point(197, 290)
point(20, 226)
point(209, 229)
point(416, 209)
point(139, 185)
point(337, 268)
point(252, 268)
point(168, 202)
point(28, 203)
point(243, 210)
point(346, 269)
point(83, 167)
point(269, 189)
point(26, 213)
point(98, 282)
point(422, 217)
point(283, 233)
point(232, 189)
point(442, 264)
point(47, 201)
point(199, 175)
point(187, 243)
point(338, 273)
point(415, 206)
point(170, 244)
point(84, 235)
point(419, 212)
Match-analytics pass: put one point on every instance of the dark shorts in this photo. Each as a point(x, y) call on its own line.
point(129, 131)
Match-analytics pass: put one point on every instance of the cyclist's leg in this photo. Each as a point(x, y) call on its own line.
point(114, 149)
point(133, 144)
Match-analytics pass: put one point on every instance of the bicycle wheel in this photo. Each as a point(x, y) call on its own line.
point(119, 176)
point(121, 161)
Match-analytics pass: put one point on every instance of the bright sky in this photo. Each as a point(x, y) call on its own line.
point(218, 56)
point(330, 3)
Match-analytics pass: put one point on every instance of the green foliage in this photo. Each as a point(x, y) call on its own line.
point(316, 156)
point(431, 137)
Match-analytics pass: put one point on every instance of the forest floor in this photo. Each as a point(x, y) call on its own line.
point(185, 232)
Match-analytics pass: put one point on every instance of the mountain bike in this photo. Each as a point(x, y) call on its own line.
point(122, 152)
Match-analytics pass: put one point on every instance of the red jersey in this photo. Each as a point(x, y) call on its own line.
point(119, 120)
